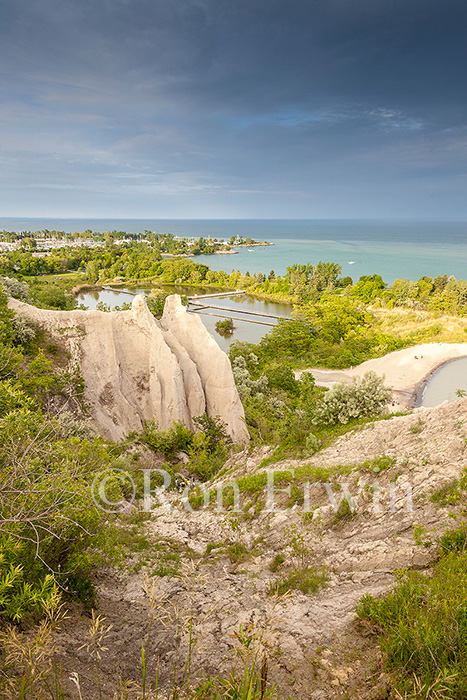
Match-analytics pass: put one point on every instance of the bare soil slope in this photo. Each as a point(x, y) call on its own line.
point(317, 648)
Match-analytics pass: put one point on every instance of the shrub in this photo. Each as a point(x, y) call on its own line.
point(379, 464)
point(14, 288)
point(47, 513)
point(448, 494)
point(344, 513)
point(24, 330)
point(238, 552)
point(51, 296)
point(18, 596)
point(205, 462)
point(282, 377)
point(277, 562)
point(178, 437)
point(245, 384)
point(215, 431)
point(225, 327)
point(362, 397)
point(312, 443)
point(454, 541)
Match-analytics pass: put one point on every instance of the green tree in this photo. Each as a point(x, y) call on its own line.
point(368, 287)
point(92, 271)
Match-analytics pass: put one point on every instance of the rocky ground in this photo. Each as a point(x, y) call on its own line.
point(316, 646)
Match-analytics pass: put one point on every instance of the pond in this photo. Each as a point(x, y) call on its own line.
point(443, 384)
point(247, 328)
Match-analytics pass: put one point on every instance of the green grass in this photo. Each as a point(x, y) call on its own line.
point(307, 580)
point(379, 464)
point(344, 513)
point(238, 552)
point(447, 495)
point(68, 276)
point(276, 562)
point(423, 625)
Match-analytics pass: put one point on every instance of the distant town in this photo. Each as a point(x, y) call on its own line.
point(39, 242)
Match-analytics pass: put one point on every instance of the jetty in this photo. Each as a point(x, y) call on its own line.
point(199, 306)
point(234, 318)
point(216, 295)
point(196, 305)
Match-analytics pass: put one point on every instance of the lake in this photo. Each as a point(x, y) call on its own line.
point(390, 248)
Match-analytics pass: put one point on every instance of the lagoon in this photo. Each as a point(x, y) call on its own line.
point(443, 384)
point(245, 330)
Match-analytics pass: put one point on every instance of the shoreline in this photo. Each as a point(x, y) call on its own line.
point(405, 371)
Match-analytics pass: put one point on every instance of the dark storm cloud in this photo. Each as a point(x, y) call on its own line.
point(146, 99)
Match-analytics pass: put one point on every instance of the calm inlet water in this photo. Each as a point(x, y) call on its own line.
point(245, 330)
point(443, 383)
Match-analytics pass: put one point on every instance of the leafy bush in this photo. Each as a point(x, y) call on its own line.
point(379, 464)
point(276, 562)
point(454, 541)
point(363, 396)
point(215, 431)
point(312, 443)
point(51, 296)
point(246, 385)
point(281, 376)
point(168, 442)
point(46, 502)
point(207, 448)
point(16, 289)
point(238, 552)
point(18, 596)
point(448, 494)
point(24, 330)
point(289, 338)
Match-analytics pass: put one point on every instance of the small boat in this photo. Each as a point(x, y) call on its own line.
point(351, 262)
point(250, 250)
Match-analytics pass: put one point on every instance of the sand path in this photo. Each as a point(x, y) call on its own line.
point(404, 370)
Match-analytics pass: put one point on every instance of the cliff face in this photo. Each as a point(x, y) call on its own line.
point(136, 368)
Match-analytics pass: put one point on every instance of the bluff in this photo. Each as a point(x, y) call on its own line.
point(136, 368)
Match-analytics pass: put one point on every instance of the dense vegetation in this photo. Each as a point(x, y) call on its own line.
point(48, 455)
point(422, 624)
point(51, 533)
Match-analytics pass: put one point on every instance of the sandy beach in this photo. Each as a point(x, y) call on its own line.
point(404, 370)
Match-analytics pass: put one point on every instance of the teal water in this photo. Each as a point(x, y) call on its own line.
point(392, 249)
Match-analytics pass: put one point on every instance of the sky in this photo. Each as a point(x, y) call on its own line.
point(233, 108)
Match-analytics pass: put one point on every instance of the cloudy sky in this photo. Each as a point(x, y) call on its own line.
point(233, 108)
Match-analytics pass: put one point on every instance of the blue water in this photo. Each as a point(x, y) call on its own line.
point(390, 248)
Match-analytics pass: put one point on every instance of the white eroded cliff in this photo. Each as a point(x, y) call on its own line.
point(136, 368)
